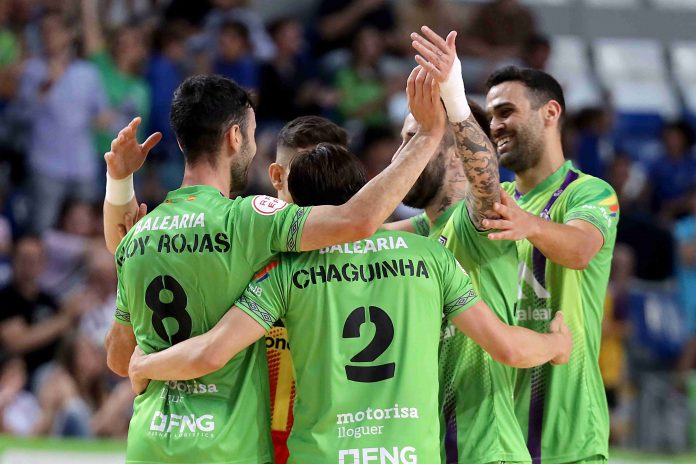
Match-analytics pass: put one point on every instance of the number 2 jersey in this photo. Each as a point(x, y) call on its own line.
point(363, 322)
point(179, 270)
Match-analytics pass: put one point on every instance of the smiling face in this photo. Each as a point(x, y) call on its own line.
point(517, 127)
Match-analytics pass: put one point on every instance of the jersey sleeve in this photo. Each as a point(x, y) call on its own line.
point(122, 315)
point(421, 224)
point(594, 201)
point(264, 298)
point(458, 290)
point(473, 247)
point(273, 226)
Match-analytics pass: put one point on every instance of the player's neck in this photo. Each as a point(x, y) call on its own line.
point(451, 193)
point(205, 174)
point(550, 162)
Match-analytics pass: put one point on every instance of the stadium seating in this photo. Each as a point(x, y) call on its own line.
point(569, 63)
point(683, 57)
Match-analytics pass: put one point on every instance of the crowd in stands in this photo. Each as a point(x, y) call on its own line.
point(74, 72)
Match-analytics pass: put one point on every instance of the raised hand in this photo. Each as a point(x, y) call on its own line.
point(424, 101)
point(436, 55)
point(558, 326)
point(127, 155)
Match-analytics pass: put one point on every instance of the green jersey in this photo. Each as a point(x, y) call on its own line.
point(421, 223)
point(563, 409)
point(363, 322)
point(476, 395)
point(179, 270)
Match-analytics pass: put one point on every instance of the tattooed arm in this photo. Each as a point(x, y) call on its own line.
point(474, 149)
point(480, 163)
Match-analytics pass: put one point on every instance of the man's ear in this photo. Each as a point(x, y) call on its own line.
point(552, 113)
point(234, 138)
point(277, 174)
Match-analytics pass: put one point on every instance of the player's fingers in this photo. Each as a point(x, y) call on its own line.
point(411, 83)
point(108, 156)
point(429, 67)
point(121, 231)
point(438, 41)
point(435, 92)
point(430, 56)
point(505, 198)
point(451, 40)
point(151, 141)
point(420, 79)
point(506, 235)
point(425, 43)
point(498, 224)
point(501, 209)
point(133, 125)
point(142, 211)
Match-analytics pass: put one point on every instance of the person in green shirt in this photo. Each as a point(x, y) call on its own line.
point(564, 223)
point(363, 320)
point(457, 192)
point(198, 249)
point(120, 64)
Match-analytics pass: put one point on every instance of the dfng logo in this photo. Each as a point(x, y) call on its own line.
point(406, 455)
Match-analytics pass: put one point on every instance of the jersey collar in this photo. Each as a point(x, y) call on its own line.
point(545, 184)
point(444, 217)
point(192, 191)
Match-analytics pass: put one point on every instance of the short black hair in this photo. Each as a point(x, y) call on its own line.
point(325, 175)
point(541, 86)
point(203, 109)
point(308, 131)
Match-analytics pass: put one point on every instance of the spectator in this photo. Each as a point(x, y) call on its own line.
point(234, 59)
point(630, 184)
point(289, 85)
point(439, 15)
point(94, 409)
point(239, 11)
point(120, 65)
point(498, 30)
point(615, 330)
point(685, 237)
point(165, 71)
point(674, 174)
point(362, 87)
point(64, 98)
point(30, 322)
point(19, 409)
point(100, 289)
point(10, 49)
point(536, 52)
point(594, 146)
point(66, 248)
point(338, 21)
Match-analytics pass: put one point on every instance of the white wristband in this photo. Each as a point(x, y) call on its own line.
point(119, 191)
point(453, 95)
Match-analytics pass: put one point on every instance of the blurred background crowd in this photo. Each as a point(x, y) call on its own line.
point(74, 72)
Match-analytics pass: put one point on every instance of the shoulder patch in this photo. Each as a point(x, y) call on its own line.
point(267, 206)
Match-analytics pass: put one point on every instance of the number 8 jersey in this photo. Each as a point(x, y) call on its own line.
point(179, 270)
point(363, 323)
